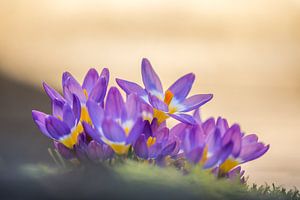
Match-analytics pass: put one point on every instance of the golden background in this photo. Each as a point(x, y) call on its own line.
point(247, 53)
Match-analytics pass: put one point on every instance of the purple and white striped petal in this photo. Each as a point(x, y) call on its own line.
point(68, 116)
point(99, 90)
point(194, 102)
point(105, 73)
point(157, 103)
point(57, 108)
point(90, 80)
point(113, 131)
point(114, 103)
point(150, 78)
point(136, 130)
point(131, 87)
point(71, 86)
point(96, 113)
point(222, 124)
point(181, 88)
point(52, 93)
point(56, 128)
point(76, 108)
point(183, 118)
point(133, 107)
point(39, 119)
point(253, 151)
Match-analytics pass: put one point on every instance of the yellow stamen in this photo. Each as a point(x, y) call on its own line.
point(151, 141)
point(168, 97)
point(85, 93)
point(85, 115)
point(126, 129)
point(160, 115)
point(71, 139)
point(228, 165)
point(120, 148)
point(204, 155)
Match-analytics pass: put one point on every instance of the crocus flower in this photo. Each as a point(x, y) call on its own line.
point(94, 87)
point(155, 142)
point(173, 101)
point(224, 147)
point(90, 150)
point(119, 124)
point(63, 126)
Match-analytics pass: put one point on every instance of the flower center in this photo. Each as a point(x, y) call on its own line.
point(151, 141)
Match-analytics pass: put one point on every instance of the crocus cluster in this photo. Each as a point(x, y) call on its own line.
point(89, 123)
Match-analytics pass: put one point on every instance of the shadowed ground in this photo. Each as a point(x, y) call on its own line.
point(21, 141)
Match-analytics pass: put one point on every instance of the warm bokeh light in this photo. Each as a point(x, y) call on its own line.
point(247, 53)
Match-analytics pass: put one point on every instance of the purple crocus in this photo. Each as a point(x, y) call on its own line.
point(215, 144)
point(155, 142)
point(94, 88)
point(91, 150)
point(119, 124)
point(173, 102)
point(64, 125)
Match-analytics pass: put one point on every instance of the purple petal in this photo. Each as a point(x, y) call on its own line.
point(92, 132)
point(222, 124)
point(99, 151)
point(209, 126)
point(195, 101)
point(150, 78)
point(235, 173)
point(57, 108)
point(157, 103)
point(182, 86)
point(113, 131)
point(68, 116)
point(39, 119)
point(155, 150)
point(99, 90)
point(64, 151)
point(179, 130)
point(183, 118)
point(53, 94)
point(56, 128)
point(197, 116)
point(136, 130)
point(161, 135)
point(226, 151)
point(167, 150)
point(211, 161)
point(253, 151)
point(133, 107)
point(214, 141)
point(90, 80)
point(71, 86)
point(248, 139)
point(131, 87)
point(76, 108)
point(94, 151)
point(114, 103)
point(195, 155)
point(105, 74)
point(96, 113)
point(140, 147)
point(237, 142)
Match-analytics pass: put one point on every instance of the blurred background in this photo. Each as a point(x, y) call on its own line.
point(247, 53)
